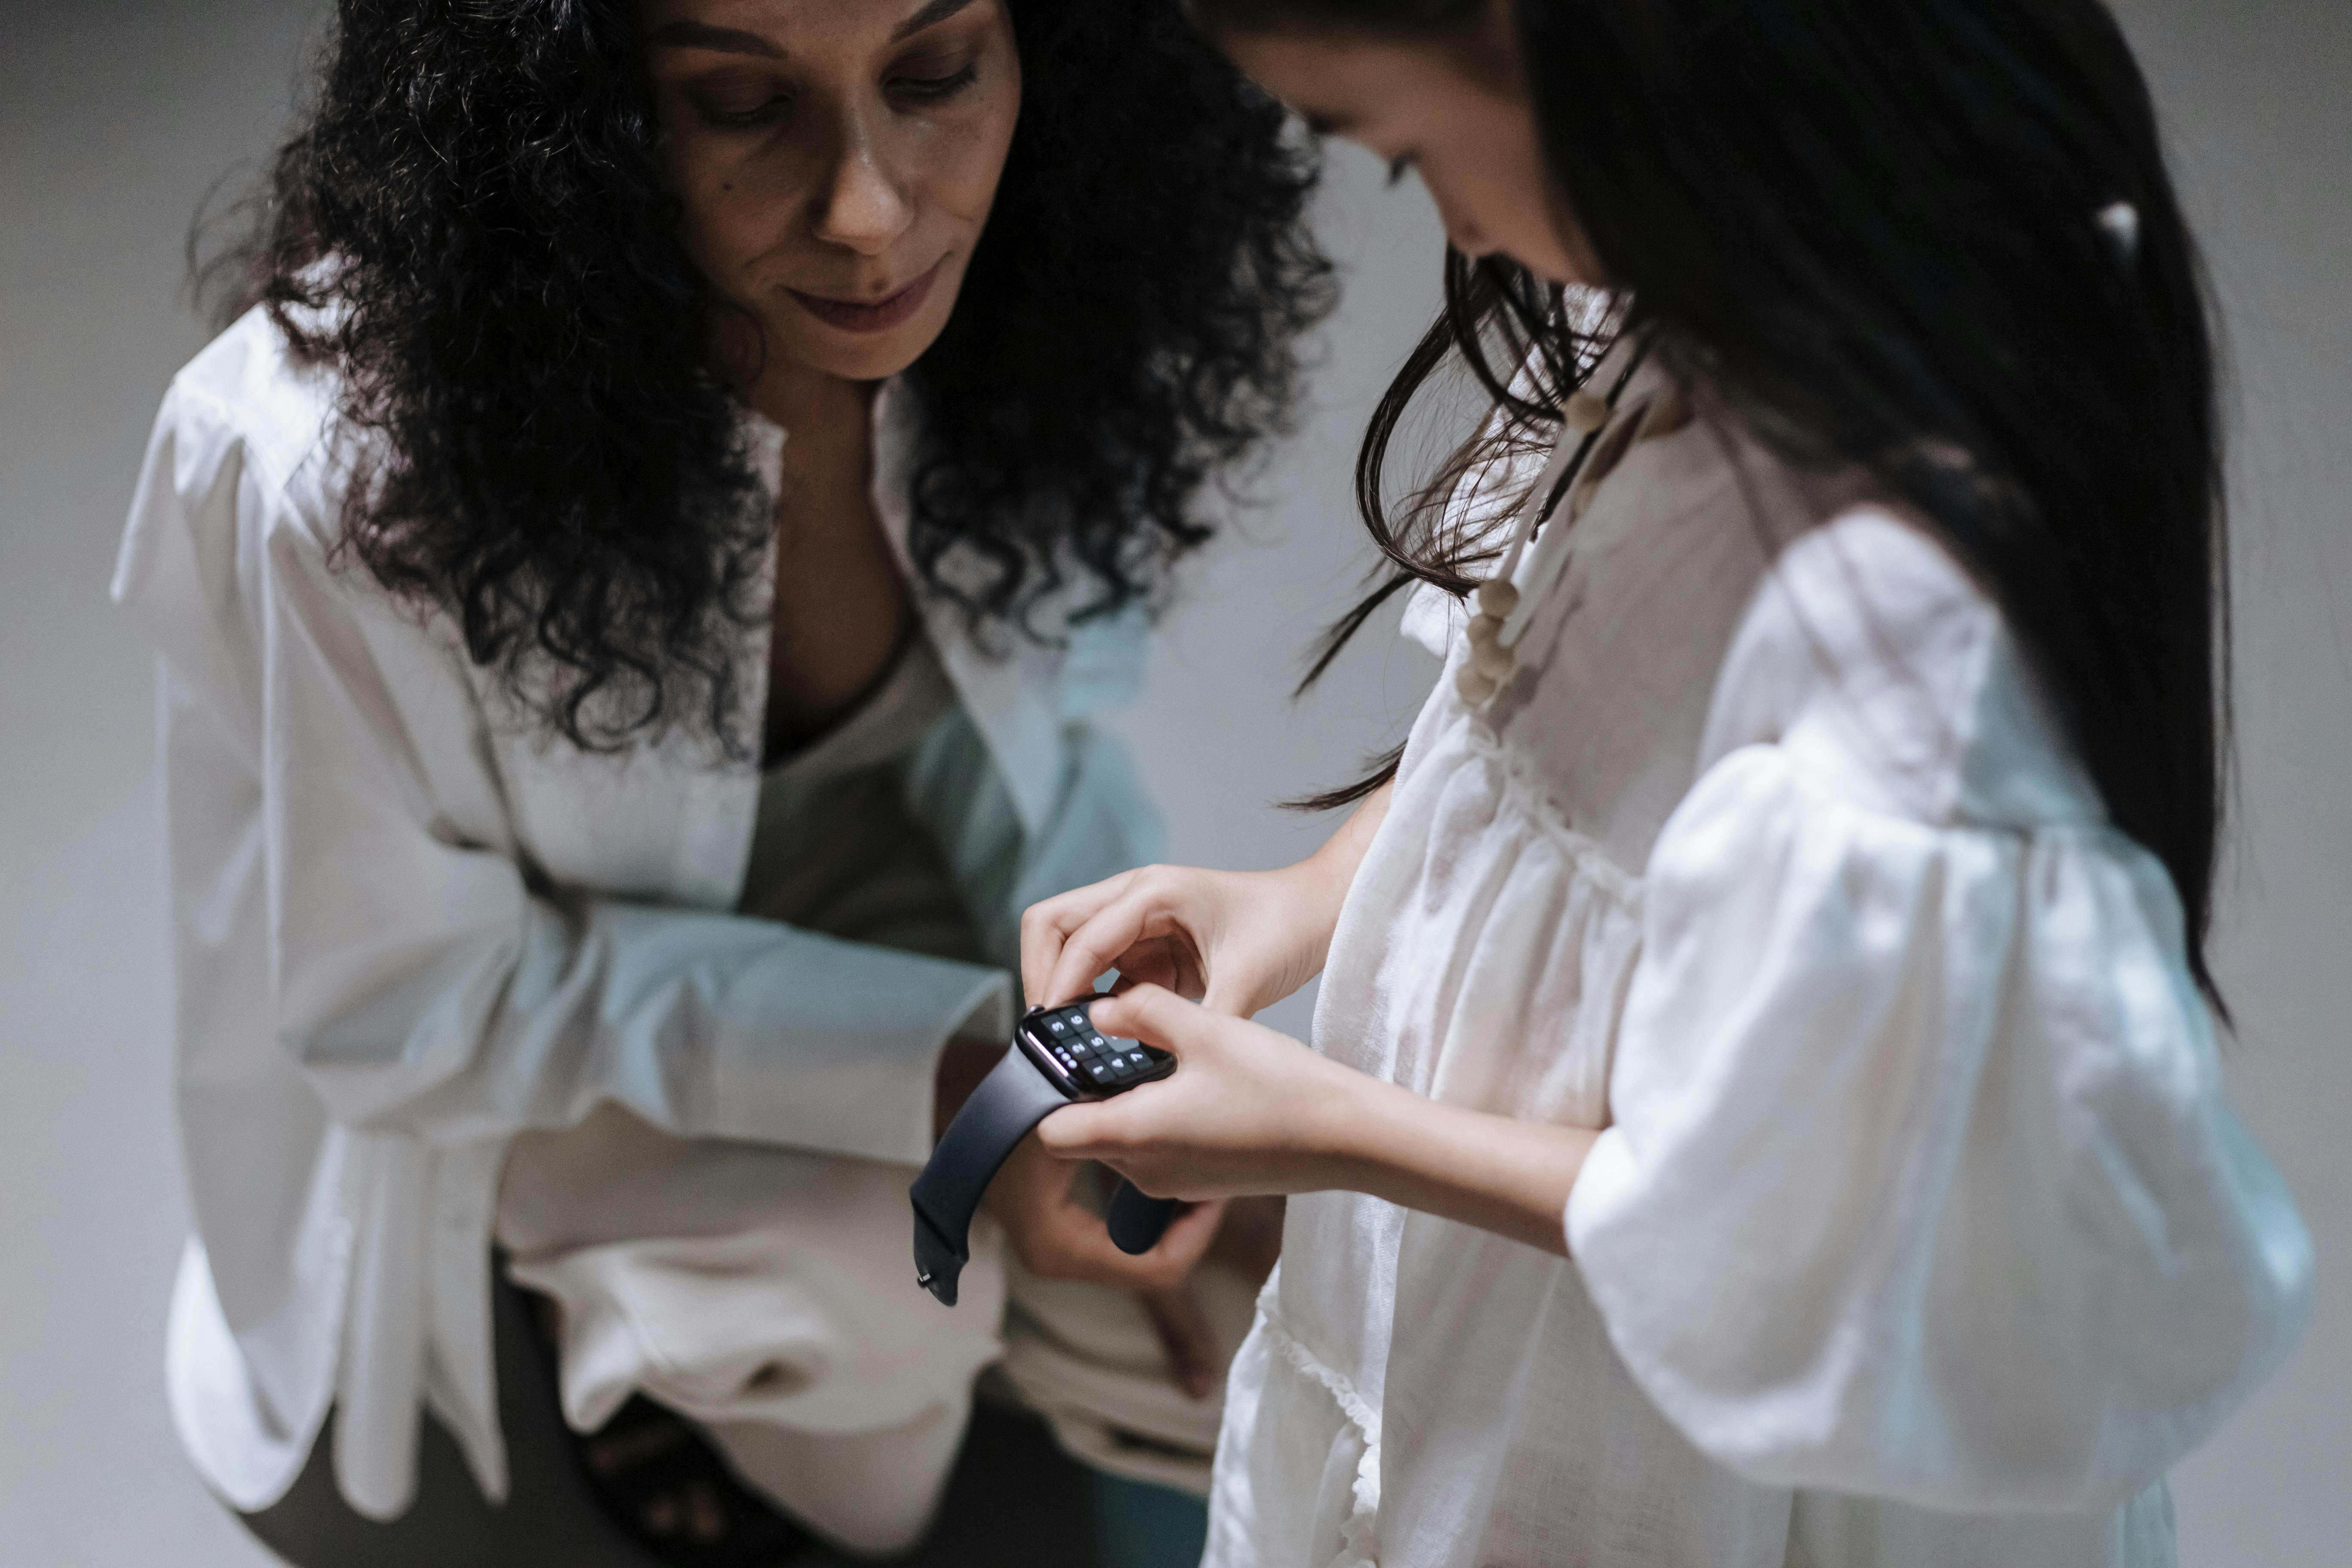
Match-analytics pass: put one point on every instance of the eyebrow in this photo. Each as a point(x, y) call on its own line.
point(736, 41)
point(930, 16)
point(703, 36)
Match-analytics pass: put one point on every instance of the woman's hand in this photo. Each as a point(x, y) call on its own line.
point(1055, 1236)
point(1248, 1243)
point(1241, 941)
point(1034, 1197)
point(1250, 1110)
point(1244, 940)
point(1237, 940)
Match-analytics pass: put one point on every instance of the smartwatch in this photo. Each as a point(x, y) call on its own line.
point(1058, 1057)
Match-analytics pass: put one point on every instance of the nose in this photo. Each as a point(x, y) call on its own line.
point(863, 207)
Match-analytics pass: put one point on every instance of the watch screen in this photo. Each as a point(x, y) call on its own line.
point(1094, 1062)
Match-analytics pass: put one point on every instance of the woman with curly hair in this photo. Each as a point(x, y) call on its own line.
point(633, 589)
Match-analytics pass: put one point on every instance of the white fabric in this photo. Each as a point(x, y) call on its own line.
point(1920, 1233)
point(407, 927)
point(762, 1291)
point(767, 1311)
point(752, 1287)
point(1089, 1362)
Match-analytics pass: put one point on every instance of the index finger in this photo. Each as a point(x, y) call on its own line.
point(1045, 927)
point(1152, 1013)
point(1100, 941)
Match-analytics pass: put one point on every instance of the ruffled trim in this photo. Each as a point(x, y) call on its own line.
point(1357, 1535)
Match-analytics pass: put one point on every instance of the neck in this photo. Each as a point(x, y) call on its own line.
point(809, 404)
point(803, 400)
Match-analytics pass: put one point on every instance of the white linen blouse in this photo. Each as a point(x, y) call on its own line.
point(407, 926)
point(1919, 1232)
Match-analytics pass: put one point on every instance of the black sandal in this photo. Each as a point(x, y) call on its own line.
point(664, 1486)
point(663, 1482)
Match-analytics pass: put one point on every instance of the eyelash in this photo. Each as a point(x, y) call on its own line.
point(923, 89)
point(1398, 169)
point(748, 117)
point(929, 89)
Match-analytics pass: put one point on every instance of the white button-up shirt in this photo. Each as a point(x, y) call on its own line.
point(407, 924)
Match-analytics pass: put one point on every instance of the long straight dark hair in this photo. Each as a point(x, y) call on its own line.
point(1935, 239)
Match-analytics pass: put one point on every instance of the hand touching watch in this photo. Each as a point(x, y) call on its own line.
point(1058, 1057)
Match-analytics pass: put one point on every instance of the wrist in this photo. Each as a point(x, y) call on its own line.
point(1476, 1168)
point(1349, 1132)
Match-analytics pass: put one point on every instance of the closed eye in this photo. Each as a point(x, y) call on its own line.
point(738, 97)
point(731, 117)
point(932, 89)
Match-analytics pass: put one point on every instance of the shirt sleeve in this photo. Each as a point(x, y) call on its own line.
point(420, 982)
point(1920, 1182)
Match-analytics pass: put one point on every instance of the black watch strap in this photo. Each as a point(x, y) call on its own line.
point(1014, 1098)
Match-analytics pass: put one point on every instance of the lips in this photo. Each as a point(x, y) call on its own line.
point(869, 315)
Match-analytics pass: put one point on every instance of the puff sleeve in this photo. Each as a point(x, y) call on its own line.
point(1920, 1182)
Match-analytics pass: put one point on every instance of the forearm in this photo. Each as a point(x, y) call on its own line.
point(1249, 1110)
point(1494, 1172)
point(700, 1023)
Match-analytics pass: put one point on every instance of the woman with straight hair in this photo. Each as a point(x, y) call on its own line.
point(1764, 1106)
point(635, 591)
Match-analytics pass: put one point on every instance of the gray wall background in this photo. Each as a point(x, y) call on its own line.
point(116, 116)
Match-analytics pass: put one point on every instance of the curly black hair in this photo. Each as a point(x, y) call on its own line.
point(473, 230)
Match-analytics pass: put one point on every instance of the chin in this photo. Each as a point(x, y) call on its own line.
point(858, 357)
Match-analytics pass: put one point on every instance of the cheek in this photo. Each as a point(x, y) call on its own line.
point(964, 185)
point(1541, 234)
point(1503, 200)
point(711, 195)
point(1519, 218)
point(736, 207)
point(963, 156)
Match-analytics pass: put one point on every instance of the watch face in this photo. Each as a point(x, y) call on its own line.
point(1082, 1061)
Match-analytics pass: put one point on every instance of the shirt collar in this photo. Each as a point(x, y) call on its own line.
point(1011, 696)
